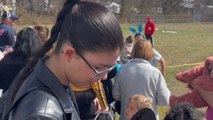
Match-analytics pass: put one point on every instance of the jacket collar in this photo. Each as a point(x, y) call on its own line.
point(139, 60)
point(46, 77)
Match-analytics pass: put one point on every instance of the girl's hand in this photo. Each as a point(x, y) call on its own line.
point(106, 110)
point(97, 104)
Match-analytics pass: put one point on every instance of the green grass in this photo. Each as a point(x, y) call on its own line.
point(191, 44)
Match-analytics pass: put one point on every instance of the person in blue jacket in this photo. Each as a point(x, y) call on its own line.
point(7, 31)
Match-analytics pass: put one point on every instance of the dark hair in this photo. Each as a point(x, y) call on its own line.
point(27, 43)
point(184, 111)
point(144, 114)
point(100, 28)
point(129, 40)
point(139, 34)
point(87, 26)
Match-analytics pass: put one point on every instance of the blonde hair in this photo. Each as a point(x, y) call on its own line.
point(142, 49)
point(43, 32)
point(141, 101)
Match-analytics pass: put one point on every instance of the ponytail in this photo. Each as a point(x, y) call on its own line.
point(47, 46)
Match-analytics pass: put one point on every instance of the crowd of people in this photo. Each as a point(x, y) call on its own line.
point(92, 73)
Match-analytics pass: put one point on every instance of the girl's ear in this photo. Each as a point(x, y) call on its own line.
point(68, 53)
point(140, 28)
point(132, 29)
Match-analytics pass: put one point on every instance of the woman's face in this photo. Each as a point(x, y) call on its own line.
point(83, 68)
point(131, 110)
point(138, 38)
point(11, 22)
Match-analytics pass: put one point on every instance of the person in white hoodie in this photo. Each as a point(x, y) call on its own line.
point(157, 58)
point(138, 76)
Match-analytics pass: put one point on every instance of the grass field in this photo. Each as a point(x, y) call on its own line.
point(182, 50)
point(189, 46)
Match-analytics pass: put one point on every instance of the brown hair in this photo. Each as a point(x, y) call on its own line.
point(141, 101)
point(142, 49)
point(129, 40)
point(43, 32)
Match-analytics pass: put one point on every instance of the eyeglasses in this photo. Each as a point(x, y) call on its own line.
point(98, 74)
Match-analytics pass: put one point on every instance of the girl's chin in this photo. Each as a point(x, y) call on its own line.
point(83, 85)
point(86, 85)
point(93, 81)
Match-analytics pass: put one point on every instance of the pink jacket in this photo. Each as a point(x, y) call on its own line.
point(201, 84)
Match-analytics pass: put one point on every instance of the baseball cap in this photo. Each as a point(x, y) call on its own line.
point(10, 15)
point(148, 18)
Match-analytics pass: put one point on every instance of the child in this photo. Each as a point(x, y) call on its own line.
point(136, 103)
point(200, 80)
point(126, 51)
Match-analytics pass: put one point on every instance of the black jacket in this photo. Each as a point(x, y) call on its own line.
point(42, 97)
point(9, 67)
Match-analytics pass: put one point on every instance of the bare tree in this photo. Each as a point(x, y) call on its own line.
point(125, 8)
point(209, 2)
point(169, 5)
point(4, 2)
point(103, 2)
point(144, 6)
point(41, 7)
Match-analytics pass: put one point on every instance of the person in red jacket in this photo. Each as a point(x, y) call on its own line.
point(150, 29)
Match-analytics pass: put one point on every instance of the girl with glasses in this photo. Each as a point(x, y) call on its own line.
point(41, 90)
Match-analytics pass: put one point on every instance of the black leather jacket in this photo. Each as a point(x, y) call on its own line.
point(42, 97)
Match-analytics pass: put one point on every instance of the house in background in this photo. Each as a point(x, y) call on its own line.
point(114, 7)
point(197, 10)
